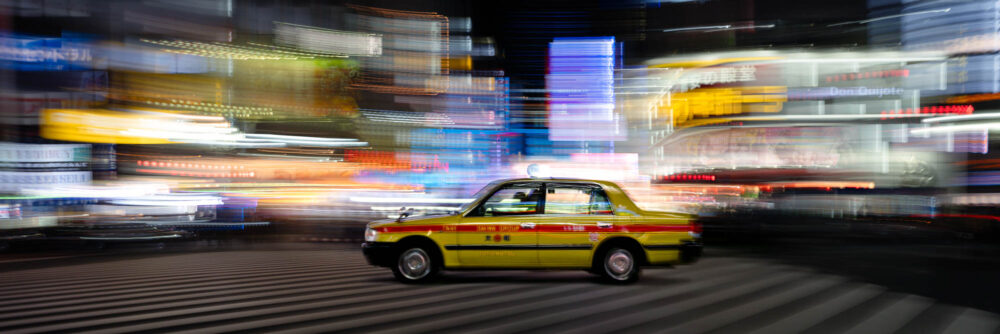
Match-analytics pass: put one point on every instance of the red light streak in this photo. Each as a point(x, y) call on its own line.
point(689, 177)
point(963, 109)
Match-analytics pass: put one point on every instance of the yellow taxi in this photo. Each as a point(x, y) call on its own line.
point(537, 224)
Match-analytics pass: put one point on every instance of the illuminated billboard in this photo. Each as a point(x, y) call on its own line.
point(580, 83)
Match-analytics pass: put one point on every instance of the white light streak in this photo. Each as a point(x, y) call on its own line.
point(891, 17)
point(410, 200)
point(300, 138)
point(697, 28)
point(958, 128)
point(960, 118)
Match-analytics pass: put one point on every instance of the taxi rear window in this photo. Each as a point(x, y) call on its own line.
point(561, 199)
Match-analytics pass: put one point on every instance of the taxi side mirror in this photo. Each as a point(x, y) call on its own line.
point(404, 212)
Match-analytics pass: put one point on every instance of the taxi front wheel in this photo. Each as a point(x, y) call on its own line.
point(415, 265)
point(618, 266)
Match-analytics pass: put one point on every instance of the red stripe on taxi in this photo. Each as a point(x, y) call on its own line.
point(560, 228)
point(615, 228)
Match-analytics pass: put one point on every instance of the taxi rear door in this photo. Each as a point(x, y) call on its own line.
point(576, 217)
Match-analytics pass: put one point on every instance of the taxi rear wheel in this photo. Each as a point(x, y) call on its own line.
point(415, 264)
point(618, 265)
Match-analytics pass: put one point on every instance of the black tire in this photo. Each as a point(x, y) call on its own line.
point(618, 265)
point(416, 264)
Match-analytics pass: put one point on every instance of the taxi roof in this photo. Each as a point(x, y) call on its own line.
point(616, 193)
point(553, 179)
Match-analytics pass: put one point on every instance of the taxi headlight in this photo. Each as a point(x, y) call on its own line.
point(370, 234)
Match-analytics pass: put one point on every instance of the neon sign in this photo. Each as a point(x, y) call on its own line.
point(581, 85)
point(869, 75)
point(716, 75)
point(835, 92)
point(40, 54)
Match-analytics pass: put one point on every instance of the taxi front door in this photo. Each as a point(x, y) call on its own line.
point(501, 231)
point(492, 242)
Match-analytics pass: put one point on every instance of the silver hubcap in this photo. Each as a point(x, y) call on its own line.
point(414, 264)
point(619, 264)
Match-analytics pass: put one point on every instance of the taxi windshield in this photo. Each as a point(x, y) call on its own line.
point(482, 192)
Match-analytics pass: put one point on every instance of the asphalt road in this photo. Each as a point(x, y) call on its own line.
point(329, 287)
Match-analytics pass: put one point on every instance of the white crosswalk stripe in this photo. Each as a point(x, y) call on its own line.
point(306, 291)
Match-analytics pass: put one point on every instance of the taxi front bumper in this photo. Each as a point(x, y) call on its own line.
point(379, 253)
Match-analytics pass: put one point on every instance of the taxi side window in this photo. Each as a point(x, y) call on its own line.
point(511, 200)
point(576, 200)
point(599, 203)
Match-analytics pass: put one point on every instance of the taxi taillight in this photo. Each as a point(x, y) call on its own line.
point(696, 228)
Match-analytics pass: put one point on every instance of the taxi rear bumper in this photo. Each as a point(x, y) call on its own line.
point(690, 251)
point(379, 253)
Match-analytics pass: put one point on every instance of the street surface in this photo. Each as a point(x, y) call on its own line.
point(312, 287)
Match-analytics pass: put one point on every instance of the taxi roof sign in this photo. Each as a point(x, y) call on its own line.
point(536, 171)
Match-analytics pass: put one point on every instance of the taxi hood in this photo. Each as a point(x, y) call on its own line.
point(429, 219)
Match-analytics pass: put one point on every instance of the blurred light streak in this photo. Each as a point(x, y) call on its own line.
point(961, 118)
point(231, 143)
point(797, 118)
point(760, 57)
point(311, 143)
point(434, 208)
point(709, 60)
point(232, 51)
point(696, 28)
point(168, 201)
point(117, 190)
point(750, 26)
point(286, 157)
point(958, 128)
point(935, 110)
point(108, 126)
point(297, 138)
point(359, 199)
point(946, 215)
point(197, 174)
point(151, 237)
point(891, 17)
point(328, 40)
point(823, 184)
point(974, 199)
point(973, 98)
point(158, 127)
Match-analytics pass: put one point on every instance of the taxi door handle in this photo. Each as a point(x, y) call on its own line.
point(604, 225)
point(528, 225)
